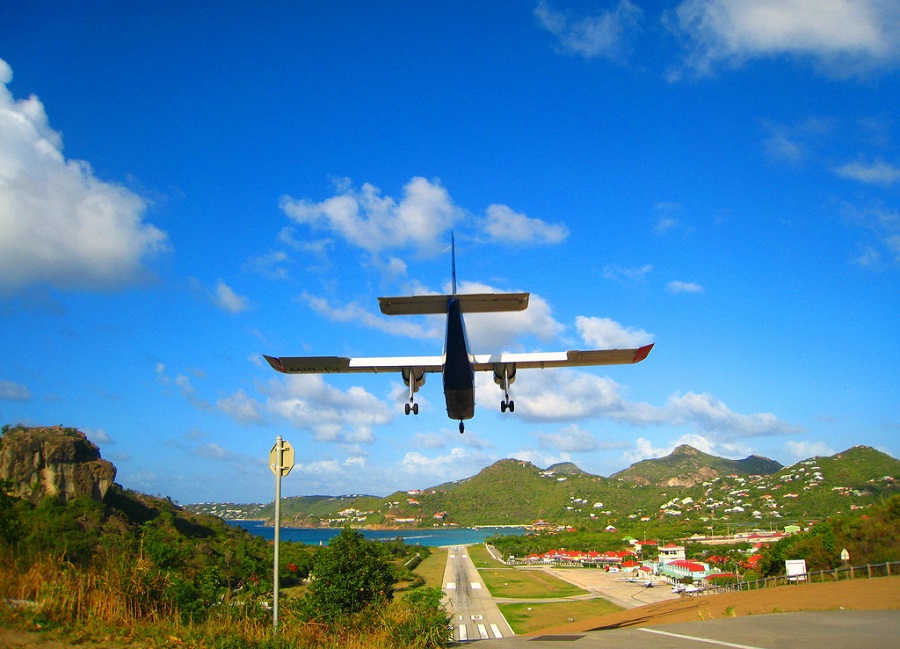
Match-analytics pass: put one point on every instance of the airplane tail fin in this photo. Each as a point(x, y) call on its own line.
point(468, 302)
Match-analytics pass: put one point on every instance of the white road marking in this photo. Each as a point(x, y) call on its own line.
point(463, 634)
point(476, 585)
point(721, 643)
point(496, 630)
point(483, 632)
point(451, 585)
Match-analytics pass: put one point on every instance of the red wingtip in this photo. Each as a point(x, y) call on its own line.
point(275, 363)
point(642, 353)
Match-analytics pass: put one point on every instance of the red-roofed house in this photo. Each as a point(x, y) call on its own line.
point(681, 568)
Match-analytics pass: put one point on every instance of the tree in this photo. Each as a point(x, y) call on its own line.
point(349, 575)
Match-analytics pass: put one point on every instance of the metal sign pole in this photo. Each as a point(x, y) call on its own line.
point(278, 457)
point(281, 461)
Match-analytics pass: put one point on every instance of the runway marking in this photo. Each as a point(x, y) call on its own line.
point(496, 630)
point(451, 585)
point(476, 585)
point(721, 643)
point(482, 631)
point(463, 634)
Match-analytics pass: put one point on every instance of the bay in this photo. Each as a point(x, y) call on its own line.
point(431, 537)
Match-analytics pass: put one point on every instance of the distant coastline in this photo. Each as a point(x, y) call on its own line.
point(433, 536)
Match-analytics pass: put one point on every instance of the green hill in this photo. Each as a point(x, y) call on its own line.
point(689, 488)
point(686, 467)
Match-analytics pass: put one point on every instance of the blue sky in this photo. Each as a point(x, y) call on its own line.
point(185, 187)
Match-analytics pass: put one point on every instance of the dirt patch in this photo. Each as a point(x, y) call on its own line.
point(859, 594)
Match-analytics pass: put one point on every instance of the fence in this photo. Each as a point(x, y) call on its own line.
point(816, 576)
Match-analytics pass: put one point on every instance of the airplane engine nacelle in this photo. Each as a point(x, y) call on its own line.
point(504, 371)
point(414, 374)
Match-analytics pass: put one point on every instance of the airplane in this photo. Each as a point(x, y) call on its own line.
point(457, 364)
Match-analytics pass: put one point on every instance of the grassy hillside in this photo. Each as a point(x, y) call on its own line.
point(686, 467)
point(721, 493)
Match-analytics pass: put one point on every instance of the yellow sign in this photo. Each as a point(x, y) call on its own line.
point(287, 458)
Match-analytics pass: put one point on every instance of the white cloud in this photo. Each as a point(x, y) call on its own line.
point(605, 333)
point(98, 436)
point(564, 395)
point(665, 224)
point(570, 439)
point(881, 225)
point(242, 408)
point(373, 222)
point(430, 328)
point(270, 265)
point(713, 417)
point(420, 220)
point(491, 332)
point(503, 225)
point(877, 172)
point(540, 458)
point(676, 287)
point(10, 391)
point(308, 402)
point(805, 450)
point(456, 464)
point(622, 274)
point(842, 37)
point(59, 223)
point(569, 395)
point(644, 448)
point(227, 299)
point(603, 35)
point(213, 451)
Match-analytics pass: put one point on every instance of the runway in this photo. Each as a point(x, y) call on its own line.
point(474, 614)
point(820, 629)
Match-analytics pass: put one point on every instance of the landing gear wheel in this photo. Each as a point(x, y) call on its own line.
point(415, 408)
point(512, 406)
point(462, 428)
point(407, 408)
point(502, 406)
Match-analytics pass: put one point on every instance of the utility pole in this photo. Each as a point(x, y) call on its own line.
point(281, 461)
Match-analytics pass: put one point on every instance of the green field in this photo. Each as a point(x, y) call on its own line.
point(432, 568)
point(481, 557)
point(525, 618)
point(527, 584)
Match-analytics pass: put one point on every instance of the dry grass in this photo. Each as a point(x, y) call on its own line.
point(860, 594)
point(93, 607)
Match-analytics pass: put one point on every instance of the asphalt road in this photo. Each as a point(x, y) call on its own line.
point(819, 629)
point(474, 614)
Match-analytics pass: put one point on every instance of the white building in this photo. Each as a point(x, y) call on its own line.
point(671, 552)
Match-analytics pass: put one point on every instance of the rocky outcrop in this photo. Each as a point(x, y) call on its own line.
point(54, 461)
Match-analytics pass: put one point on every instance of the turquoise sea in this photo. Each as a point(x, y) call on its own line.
point(431, 537)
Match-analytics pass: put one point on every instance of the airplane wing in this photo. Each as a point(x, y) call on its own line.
point(571, 358)
point(481, 362)
point(345, 365)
